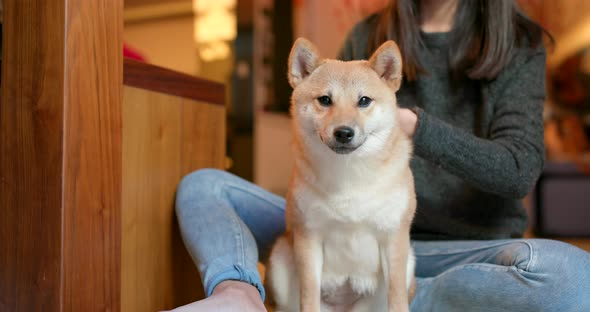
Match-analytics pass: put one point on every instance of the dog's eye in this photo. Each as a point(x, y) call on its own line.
point(364, 101)
point(325, 100)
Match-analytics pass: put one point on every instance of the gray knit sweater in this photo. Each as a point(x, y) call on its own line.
point(478, 145)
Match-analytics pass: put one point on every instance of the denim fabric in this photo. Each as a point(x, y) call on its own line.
point(228, 224)
point(503, 275)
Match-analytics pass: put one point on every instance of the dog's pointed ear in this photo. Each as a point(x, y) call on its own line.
point(303, 60)
point(387, 62)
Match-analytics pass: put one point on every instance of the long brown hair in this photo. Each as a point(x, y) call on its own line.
point(484, 36)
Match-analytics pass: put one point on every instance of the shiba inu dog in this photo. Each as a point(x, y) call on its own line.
point(351, 198)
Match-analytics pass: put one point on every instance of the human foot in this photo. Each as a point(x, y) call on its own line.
point(228, 296)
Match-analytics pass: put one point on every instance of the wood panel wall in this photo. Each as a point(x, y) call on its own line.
point(173, 124)
point(60, 155)
point(164, 138)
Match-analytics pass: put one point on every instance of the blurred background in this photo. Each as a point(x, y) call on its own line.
point(245, 44)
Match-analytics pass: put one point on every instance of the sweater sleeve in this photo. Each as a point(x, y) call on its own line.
point(509, 161)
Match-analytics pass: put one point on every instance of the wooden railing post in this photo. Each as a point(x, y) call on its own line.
point(60, 155)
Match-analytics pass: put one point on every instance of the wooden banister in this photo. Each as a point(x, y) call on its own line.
point(60, 155)
point(89, 164)
point(146, 76)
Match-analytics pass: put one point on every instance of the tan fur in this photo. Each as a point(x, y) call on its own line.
point(350, 204)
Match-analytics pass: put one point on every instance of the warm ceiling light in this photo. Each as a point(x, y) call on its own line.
point(207, 5)
point(215, 24)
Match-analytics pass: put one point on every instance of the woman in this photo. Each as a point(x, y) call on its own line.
point(472, 102)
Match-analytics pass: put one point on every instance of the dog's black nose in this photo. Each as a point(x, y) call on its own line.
point(344, 134)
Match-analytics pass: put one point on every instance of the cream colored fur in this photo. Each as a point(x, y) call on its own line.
point(349, 209)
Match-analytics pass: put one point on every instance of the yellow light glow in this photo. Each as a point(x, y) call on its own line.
point(215, 24)
point(214, 51)
point(208, 5)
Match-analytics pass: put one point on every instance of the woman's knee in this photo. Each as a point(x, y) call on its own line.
point(198, 184)
point(201, 179)
point(558, 257)
point(541, 255)
point(555, 272)
point(563, 269)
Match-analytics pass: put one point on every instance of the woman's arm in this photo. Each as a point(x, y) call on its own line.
point(507, 163)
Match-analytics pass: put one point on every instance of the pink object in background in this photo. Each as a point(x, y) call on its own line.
point(131, 53)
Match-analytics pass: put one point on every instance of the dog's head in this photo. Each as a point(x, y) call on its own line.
point(346, 106)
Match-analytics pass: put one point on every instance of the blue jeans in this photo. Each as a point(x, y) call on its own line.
point(228, 224)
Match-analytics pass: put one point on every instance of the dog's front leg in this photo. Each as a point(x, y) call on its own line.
point(397, 250)
point(309, 260)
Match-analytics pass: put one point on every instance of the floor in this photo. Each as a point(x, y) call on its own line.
point(583, 243)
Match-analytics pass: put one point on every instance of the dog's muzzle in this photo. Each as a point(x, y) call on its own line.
point(342, 140)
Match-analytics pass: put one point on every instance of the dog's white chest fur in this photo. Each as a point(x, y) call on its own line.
point(352, 223)
point(374, 207)
point(351, 255)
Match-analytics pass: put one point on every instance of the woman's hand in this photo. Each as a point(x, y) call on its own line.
point(408, 121)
